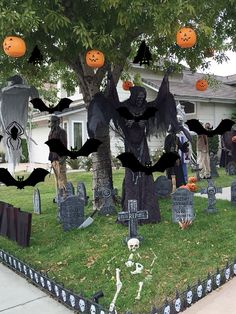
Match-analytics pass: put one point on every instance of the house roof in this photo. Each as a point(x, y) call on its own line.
point(184, 88)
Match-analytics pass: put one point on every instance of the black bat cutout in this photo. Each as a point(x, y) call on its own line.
point(64, 103)
point(143, 55)
point(148, 113)
point(37, 175)
point(90, 146)
point(1, 137)
point(167, 160)
point(224, 126)
point(36, 57)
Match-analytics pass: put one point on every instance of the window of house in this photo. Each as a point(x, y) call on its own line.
point(189, 107)
point(77, 134)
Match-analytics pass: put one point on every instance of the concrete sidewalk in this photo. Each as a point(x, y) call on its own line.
point(18, 296)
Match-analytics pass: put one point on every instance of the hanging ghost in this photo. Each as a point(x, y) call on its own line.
point(14, 100)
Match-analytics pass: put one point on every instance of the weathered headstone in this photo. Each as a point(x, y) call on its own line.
point(104, 195)
point(23, 228)
point(81, 192)
point(70, 189)
point(197, 169)
point(182, 205)
point(37, 201)
point(231, 168)
point(133, 215)
point(71, 212)
point(213, 164)
point(211, 191)
point(163, 186)
point(233, 192)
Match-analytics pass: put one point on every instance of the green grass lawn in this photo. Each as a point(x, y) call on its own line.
point(85, 260)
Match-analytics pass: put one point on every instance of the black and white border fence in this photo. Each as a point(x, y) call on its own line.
point(79, 303)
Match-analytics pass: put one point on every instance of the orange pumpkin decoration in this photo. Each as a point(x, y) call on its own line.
point(14, 46)
point(192, 187)
point(186, 37)
point(201, 85)
point(95, 59)
point(192, 180)
point(234, 139)
point(127, 84)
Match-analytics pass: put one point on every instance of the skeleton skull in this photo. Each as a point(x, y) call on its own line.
point(49, 285)
point(36, 277)
point(102, 312)
point(218, 280)
point(5, 257)
point(72, 300)
point(19, 266)
point(82, 305)
point(14, 263)
point(25, 269)
point(209, 285)
point(199, 291)
point(177, 305)
point(227, 273)
point(31, 274)
point(63, 293)
point(133, 244)
point(42, 281)
point(167, 310)
point(10, 260)
point(56, 290)
point(189, 297)
point(93, 309)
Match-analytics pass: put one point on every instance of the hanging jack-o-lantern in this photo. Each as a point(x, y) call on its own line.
point(14, 46)
point(192, 180)
point(186, 37)
point(127, 84)
point(95, 59)
point(201, 85)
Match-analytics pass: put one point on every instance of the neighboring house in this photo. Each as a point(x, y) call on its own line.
point(210, 105)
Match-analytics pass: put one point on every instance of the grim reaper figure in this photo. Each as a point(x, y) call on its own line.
point(102, 109)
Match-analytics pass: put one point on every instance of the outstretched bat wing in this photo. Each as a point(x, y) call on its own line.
point(7, 178)
point(125, 113)
point(128, 160)
point(64, 103)
point(167, 160)
point(90, 146)
point(148, 113)
point(195, 126)
point(39, 104)
point(56, 146)
point(38, 175)
point(224, 126)
point(1, 137)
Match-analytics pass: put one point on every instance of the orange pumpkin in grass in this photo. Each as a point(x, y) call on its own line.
point(95, 59)
point(186, 37)
point(192, 187)
point(192, 180)
point(201, 85)
point(127, 84)
point(14, 46)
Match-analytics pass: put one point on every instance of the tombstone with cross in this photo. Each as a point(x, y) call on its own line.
point(133, 215)
point(197, 169)
point(211, 191)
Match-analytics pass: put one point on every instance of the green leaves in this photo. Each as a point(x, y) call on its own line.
point(56, 21)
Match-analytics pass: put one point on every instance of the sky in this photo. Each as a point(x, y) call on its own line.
point(226, 68)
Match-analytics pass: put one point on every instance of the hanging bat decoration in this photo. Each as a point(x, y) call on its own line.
point(90, 146)
point(38, 175)
point(167, 160)
point(224, 126)
point(143, 55)
point(125, 113)
point(64, 103)
point(36, 56)
point(1, 137)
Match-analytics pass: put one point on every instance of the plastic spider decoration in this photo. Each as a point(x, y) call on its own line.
point(14, 131)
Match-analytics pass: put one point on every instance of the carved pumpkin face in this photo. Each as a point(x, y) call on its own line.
point(14, 46)
point(95, 58)
point(186, 37)
point(192, 180)
point(234, 139)
point(127, 84)
point(192, 187)
point(201, 85)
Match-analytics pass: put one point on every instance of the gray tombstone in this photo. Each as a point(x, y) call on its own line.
point(163, 186)
point(213, 164)
point(231, 168)
point(133, 215)
point(182, 205)
point(71, 212)
point(81, 192)
point(37, 201)
point(70, 189)
point(104, 195)
point(233, 193)
point(211, 191)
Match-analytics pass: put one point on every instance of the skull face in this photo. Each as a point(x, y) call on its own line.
point(49, 285)
point(133, 244)
point(227, 273)
point(177, 305)
point(19, 266)
point(42, 281)
point(189, 297)
point(31, 274)
point(209, 285)
point(5, 257)
point(199, 291)
point(36, 277)
point(82, 305)
point(93, 309)
point(63, 295)
point(14, 263)
point(10, 260)
point(102, 312)
point(72, 300)
point(218, 280)
point(25, 269)
point(167, 310)
point(56, 290)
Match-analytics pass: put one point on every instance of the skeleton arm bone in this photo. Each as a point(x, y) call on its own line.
point(118, 288)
